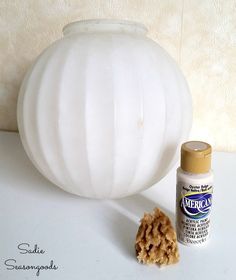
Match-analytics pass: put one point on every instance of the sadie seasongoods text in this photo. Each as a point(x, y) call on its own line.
point(25, 248)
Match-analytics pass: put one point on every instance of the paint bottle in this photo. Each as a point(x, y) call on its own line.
point(194, 193)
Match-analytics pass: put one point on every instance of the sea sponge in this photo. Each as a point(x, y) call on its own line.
point(156, 240)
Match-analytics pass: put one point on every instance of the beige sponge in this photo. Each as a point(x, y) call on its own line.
point(156, 240)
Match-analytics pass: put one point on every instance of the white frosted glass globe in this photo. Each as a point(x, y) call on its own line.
point(102, 111)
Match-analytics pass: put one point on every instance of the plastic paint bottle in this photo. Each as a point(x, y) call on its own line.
point(194, 193)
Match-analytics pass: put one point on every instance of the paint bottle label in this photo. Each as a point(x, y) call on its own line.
point(193, 203)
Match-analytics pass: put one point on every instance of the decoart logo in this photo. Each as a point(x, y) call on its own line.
point(197, 205)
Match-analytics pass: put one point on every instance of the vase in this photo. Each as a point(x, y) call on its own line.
point(102, 112)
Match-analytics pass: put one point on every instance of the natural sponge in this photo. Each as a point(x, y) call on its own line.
point(156, 240)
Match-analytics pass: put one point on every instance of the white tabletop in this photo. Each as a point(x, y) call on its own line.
point(91, 239)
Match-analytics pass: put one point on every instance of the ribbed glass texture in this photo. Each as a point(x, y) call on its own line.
point(103, 111)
